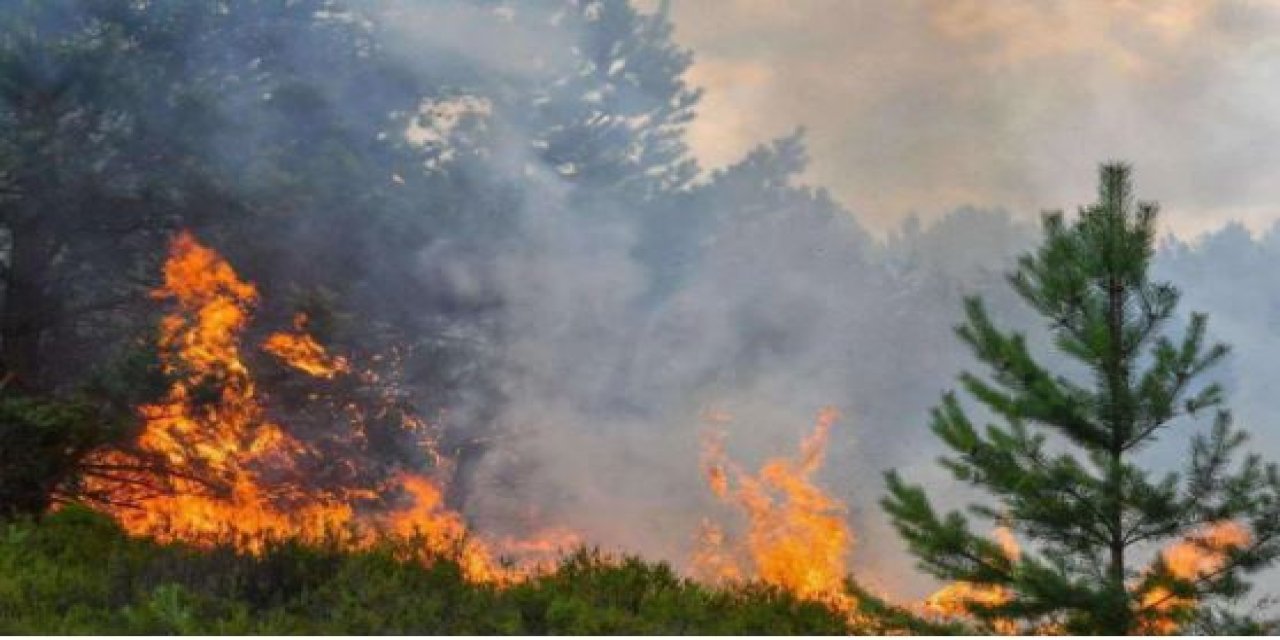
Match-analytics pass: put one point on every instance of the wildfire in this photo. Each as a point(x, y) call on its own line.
point(797, 538)
point(230, 472)
point(956, 599)
point(443, 531)
point(300, 351)
point(1194, 557)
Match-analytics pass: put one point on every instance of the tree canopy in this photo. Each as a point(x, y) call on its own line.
point(1060, 458)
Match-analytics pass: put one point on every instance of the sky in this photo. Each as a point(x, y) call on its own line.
point(919, 106)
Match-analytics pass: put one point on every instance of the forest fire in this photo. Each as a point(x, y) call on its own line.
point(300, 351)
point(955, 599)
point(797, 537)
point(458, 278)
point(232, 473)
point(1194, 557)
point(1188, 559)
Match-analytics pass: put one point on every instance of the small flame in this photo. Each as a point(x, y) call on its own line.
point(955, 599)
point(1196, 556)
point(300, 351)
point(443, 531)
point(797, 537)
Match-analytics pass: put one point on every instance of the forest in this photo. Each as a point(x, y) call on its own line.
point(422, 317)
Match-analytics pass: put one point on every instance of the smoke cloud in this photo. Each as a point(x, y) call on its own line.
point(609, 363)
point(577, 329)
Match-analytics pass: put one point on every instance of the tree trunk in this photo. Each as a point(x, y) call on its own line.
point(1120, 619)
point(22, 321)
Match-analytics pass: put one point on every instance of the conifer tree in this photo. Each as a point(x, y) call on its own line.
point(1060, 457)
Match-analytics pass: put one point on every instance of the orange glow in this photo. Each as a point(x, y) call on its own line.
point(1196, 556)
point(955, 599)
point(210, 427)
point(1185, 559)
point(443, 531)
point(797, 537)
point(300, 351)
point(231, 474)
point(227, 472)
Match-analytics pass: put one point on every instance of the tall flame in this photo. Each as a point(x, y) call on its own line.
point(230, 472)
point(797, 537)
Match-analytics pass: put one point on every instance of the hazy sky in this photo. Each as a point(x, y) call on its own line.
point(917, 105)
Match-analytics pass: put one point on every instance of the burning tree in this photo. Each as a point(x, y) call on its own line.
point(1062, 465)
point(211, 465)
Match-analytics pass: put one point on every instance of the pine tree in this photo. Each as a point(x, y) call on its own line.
point(1060, 458)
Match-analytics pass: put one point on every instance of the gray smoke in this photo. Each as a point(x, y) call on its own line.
point(611, 357)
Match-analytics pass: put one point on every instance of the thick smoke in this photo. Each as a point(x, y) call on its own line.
point(614, 351)
point(604, 323)
point(615, 346)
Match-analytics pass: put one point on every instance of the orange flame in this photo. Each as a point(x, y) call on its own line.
point(443, 531)
point(233, 474)
point(797, 537)
point(300, 351)
point(1196, 556)
point(955, 599)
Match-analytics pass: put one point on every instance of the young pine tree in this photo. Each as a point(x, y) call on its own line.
point(1060, 464)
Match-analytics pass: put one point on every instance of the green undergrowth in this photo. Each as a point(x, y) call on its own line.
point(76, 572)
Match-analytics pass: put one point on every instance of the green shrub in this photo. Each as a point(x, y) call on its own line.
point(45, 442)
point(75, 572)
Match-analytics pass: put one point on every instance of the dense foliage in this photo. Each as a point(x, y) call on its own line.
point(76, 572)
point(1061, 459)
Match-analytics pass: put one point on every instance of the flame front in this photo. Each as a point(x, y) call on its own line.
point(228, 472)
point(210, 466)
point(797, 538)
